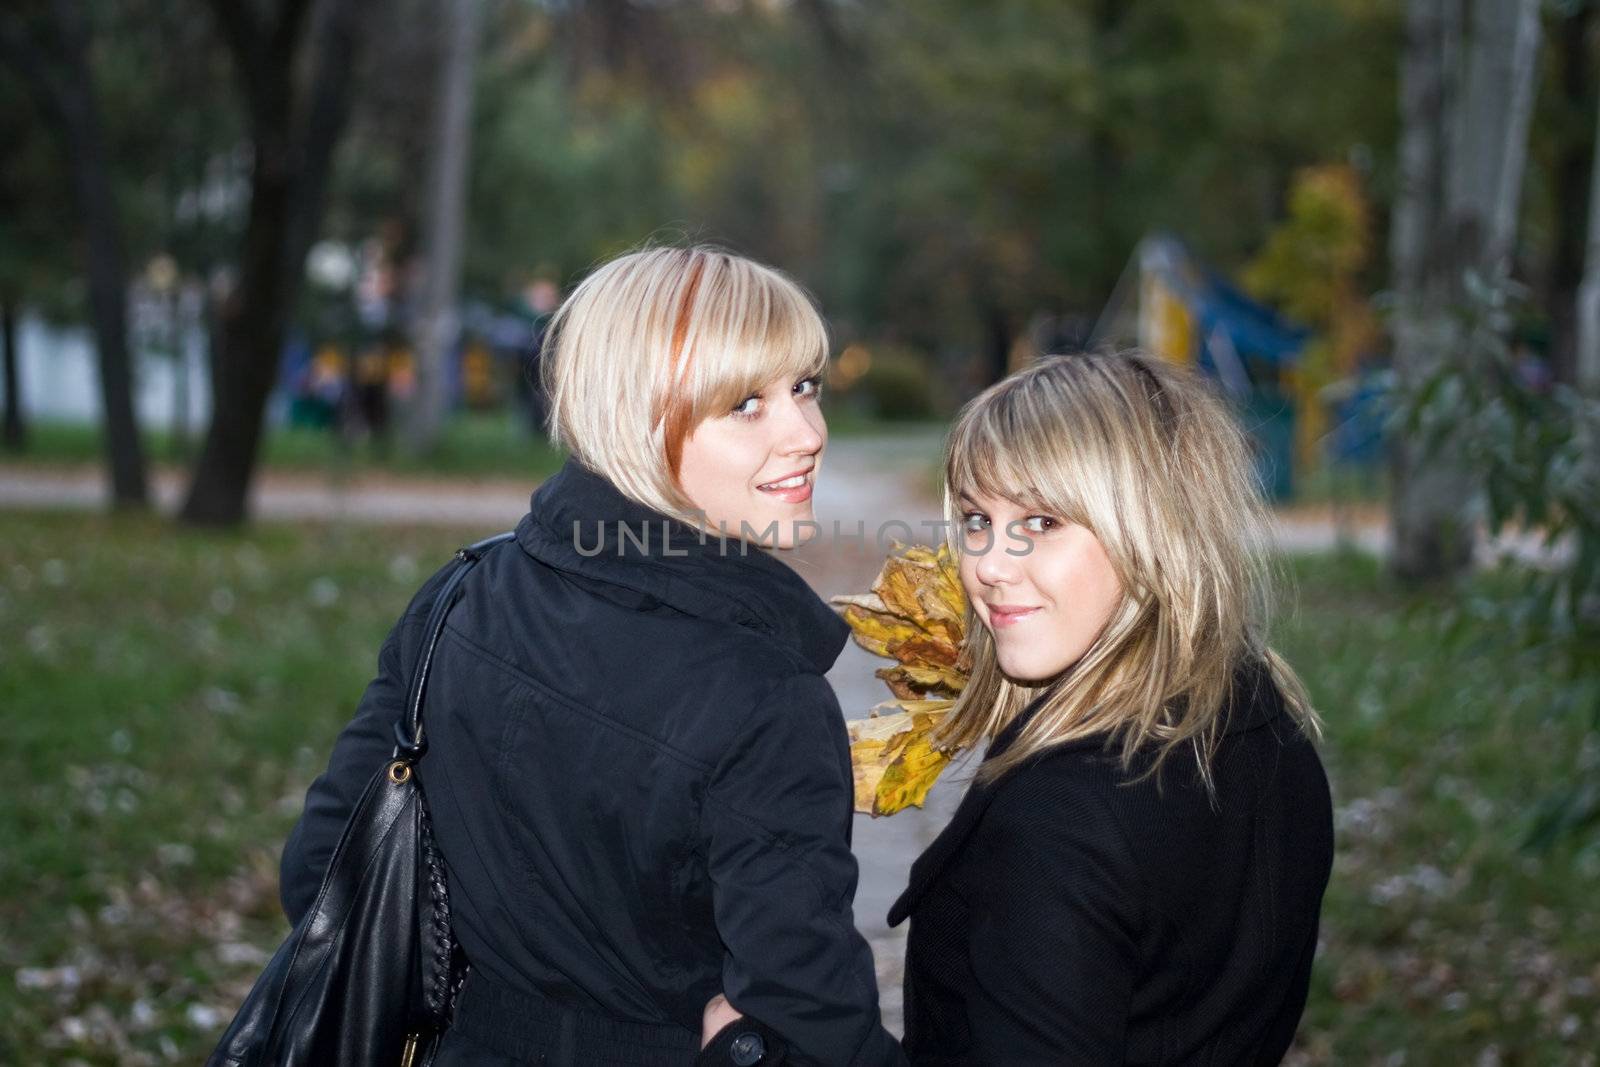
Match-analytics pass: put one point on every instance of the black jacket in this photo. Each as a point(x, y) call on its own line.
point(638, 777)
point(1065, 917)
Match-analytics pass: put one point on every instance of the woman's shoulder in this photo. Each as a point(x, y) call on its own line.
point(1087, 786)
point(1072, 784)
point(1053, 815)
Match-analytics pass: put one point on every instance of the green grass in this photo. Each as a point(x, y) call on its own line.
point(1443, 940)
point(167, 695)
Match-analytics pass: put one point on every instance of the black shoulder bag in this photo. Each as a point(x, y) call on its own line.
point(369, 976)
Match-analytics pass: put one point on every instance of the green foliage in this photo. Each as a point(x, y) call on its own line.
point(929, 169)
point(1536, 452)
point(1310, 263)
point(162, 89)
point(936, 171)
point(897, 386)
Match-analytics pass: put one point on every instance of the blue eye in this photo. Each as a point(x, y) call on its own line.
point(973, 521)
point(808, 386)
point(1045, 521)
point(745, 410)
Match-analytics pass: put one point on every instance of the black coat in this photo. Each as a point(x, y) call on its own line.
point(1064, 917)
point(640, 783)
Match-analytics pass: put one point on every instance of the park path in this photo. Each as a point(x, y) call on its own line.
point(867, 478)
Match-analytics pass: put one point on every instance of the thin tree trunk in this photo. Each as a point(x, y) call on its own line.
point(15, 434)
point(1484, 192)
point(438, 324)
point(1570, 187)
point(180, 376)
point(1105, 166)
point(1587, 367)
point(1425, 509)
point(997, 341)
point(288, 186)
point(68, 96)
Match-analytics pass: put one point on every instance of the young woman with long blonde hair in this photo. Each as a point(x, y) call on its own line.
point(1136, 873)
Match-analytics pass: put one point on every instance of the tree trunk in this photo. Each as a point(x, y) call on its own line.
point(1427, 495)
point(291, 164)
point(15, 434)
point(180, 376)
point(1484, 192)
point(438, 322)
point(997, 341)
point(68, 96)
point(108, 297)
point(1570, 188)
point(1587, 364)
point(1465, 115)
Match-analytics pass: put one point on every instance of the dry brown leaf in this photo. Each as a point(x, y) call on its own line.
point(893, 758)
point(915, 615)
point(913, 683)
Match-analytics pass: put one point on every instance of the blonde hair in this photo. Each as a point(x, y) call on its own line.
point(656, 340)
point(1147, 457)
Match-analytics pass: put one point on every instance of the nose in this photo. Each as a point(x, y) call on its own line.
point(801, 428)
point(995, 565)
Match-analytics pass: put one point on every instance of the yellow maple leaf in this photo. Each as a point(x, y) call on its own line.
point(915, 614)
point(909, 776)
point(892, 757)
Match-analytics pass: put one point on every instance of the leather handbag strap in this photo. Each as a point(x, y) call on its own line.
point(409, 739)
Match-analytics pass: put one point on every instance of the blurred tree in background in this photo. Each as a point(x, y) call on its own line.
point(942, 175)
point(49, 45)
point(291, 66)
point(1312, 266)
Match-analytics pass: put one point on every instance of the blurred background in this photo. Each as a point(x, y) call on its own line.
point(274, 276)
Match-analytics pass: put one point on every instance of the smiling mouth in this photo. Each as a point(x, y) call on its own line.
point(1007, 616)
point(788, 483)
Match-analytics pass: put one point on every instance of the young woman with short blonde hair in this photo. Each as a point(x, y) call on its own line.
point(639, 779)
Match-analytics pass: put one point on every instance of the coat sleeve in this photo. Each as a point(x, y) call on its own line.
point(361, 748)
point(1054, 938)
point(776, 825)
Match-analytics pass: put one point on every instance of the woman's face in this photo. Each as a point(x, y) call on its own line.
point(1044, 587)
point(754, 468)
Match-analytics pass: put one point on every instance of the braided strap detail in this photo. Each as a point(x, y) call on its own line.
point(439, 980)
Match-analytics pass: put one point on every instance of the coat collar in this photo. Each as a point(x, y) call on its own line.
point(1254, 702)
point(581, 524)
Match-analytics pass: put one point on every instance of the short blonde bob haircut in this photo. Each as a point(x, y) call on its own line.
point(1148, 457)
point(656, 340)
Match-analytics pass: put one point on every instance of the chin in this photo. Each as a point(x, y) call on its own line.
point(1028, 670)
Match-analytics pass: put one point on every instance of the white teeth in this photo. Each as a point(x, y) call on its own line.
point(788, 483)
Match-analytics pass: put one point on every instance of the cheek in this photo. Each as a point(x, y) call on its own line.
point(1096, 585)
point(818, 423)
point(1082, 581)
point(714, 458)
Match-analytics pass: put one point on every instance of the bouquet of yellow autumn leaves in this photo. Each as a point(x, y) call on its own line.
point(915, 615)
